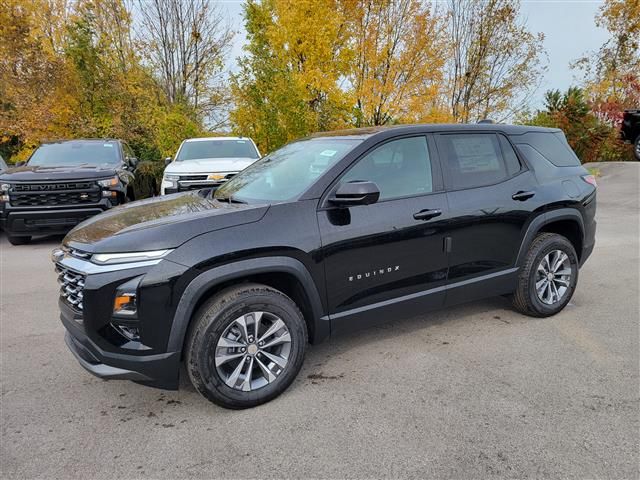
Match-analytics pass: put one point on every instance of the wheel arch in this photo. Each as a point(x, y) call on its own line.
point(567, 222)
point(286, 274)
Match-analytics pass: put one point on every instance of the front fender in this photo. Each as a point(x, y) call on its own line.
point(238, 270)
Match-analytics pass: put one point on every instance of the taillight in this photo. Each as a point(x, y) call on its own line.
point(590, 179)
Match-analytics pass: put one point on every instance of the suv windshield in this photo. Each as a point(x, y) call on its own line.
point(198, 149)
point(287, 172)
point(77, 152)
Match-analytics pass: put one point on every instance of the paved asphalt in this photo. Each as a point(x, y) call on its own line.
point(476, 391)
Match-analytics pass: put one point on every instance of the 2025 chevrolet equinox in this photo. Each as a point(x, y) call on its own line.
point(330, 233)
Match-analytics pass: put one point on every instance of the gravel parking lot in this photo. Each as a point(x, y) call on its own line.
point(475, 391)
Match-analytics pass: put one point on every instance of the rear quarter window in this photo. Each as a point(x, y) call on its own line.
point(552, 146)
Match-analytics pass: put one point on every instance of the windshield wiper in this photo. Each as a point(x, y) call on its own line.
point(231, 200)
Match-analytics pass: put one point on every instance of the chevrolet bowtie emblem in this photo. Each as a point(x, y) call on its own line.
point(215, 176)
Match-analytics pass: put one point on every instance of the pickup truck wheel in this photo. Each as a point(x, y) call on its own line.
point(18, 240)
point(636, 149)
point(245, 346)
point(548, 278)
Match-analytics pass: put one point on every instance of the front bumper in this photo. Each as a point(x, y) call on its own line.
point(44, 222)
point(93, 331)
point(160, 370)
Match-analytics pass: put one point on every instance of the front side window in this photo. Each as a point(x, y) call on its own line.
point(472, 160)
point(75, 153)
point(400, 168)
point(287, 172)
point(201, 149)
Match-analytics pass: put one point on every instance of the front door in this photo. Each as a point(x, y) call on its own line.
point(387, 259)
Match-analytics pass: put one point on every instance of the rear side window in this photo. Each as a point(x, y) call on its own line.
point(510, 158)
point(472, 160)
point(553, 146)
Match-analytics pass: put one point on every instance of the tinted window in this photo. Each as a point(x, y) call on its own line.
point(287, 172)
point(77, 152)
point(216, 149)
point(510, 157)
point(400, 168)
point(472, 160)
point(553, 146)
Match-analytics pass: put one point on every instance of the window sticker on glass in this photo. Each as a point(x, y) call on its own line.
point(476, 153)
point(241, 141)
point(108, 145)
point(328, 153)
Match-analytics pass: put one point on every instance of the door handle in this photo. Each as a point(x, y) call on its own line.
point(522, 196)
point(427, 214)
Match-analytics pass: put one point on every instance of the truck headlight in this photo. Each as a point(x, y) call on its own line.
point(4, 192)
point(109, 182)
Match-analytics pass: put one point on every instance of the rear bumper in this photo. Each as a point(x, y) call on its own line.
point(160, 370)
point(45, 222)
point(587, 250)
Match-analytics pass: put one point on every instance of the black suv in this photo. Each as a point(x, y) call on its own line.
point(62, 184)
point(328, 234)
point(630, 130)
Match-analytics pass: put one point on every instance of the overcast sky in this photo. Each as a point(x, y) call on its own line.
point(568, 26)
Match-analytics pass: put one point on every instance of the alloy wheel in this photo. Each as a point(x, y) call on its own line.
point(253, 351)
point(553, 277)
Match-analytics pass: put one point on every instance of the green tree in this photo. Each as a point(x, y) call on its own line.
point(288, 82)
point(590, 137)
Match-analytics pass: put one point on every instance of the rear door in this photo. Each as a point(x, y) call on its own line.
point(491, 195)
point(380, 261)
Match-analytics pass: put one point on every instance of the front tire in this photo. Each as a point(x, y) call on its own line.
point(548, 278)
point(636, 148)
point(22, 240)
point(245, 346)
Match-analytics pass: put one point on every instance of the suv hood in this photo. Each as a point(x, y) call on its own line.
point(209, 165)
point(159, 223)
point(45, 174)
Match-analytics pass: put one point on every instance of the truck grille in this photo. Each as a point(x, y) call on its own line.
point(191, 178)
point(54, 194)
point(71, 286)
point(197, 182)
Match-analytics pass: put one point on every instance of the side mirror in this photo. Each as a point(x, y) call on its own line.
point(21, 163)
point(133, 161)
point(356, 193)
point(167, 161)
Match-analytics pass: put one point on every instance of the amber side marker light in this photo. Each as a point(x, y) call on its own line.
point(124, 304)
point(590, 179)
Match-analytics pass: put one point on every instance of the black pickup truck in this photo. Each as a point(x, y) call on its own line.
point(62, 184)
point(631, 130)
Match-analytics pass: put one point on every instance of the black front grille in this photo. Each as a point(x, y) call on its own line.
point(54, 194)
point(52, 187)
point(71, 286)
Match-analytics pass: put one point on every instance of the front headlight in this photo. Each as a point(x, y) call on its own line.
point(4, 192)
point(109, 182)
point(129, 257)
point(172, 178)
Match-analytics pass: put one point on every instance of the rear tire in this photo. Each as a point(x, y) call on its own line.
point(18, 240)
point(548, 278)
point(236, 361)
point(636, 148)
